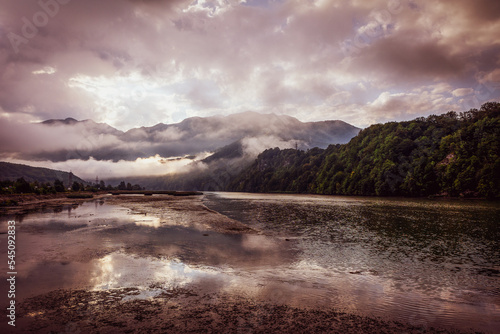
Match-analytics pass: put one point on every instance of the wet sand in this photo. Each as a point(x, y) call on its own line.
point(185, 311)
point(199, 214)
point(193, 308)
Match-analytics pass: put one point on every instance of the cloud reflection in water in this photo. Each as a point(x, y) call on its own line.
point(118, 270)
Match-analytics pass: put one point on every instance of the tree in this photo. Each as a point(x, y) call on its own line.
point(22, 186)
point(75, 186)
point(59, 186)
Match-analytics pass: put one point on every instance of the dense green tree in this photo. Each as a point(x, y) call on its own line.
point(453, 154)
point(59, 186)
point(75, 186)
point(22, 186)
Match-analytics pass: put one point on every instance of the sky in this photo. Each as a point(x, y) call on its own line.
point(132, 63)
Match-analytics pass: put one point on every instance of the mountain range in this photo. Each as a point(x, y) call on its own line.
point(190, 137)
point(210, 148)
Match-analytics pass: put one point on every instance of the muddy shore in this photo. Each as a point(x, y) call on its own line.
point(199, 214)
point(178, 310)
point(185, 311)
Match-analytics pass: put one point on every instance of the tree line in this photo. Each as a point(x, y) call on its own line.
point(21, 186)
point(454, 154)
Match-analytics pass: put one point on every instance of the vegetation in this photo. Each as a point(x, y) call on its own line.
point(128, 186)
point(21, 186)
point(12, 172)
point(451, 154)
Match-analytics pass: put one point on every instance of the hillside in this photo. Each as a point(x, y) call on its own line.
point(235, 141)
point(450, 154)
point(12, 172)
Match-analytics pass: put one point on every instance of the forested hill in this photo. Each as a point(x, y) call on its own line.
point(12, 172)
point(454, 154)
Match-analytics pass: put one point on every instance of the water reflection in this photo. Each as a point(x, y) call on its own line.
point(119, 270)
point(426, 263)
point(397, 258)
point(105, 246)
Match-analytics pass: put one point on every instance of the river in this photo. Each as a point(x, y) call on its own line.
point(426, 262)
point(429, 263)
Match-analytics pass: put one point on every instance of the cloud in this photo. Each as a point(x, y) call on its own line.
point(139, 63)
point(462, 92)
point(400, 57)
point(388, 106)
point(493, 76)
point(104, 169)
point(255, 145)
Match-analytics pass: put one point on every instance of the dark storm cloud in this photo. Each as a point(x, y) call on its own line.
point(481, 11)
point(403, 57)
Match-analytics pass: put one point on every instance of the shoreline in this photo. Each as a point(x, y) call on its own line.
point(26, 203)
point(152, 205)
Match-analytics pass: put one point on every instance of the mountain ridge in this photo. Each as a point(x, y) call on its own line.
point(12, 171)
point(191, 136)
point(190, 121)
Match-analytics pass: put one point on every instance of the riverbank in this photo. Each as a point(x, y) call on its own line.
point(25, 203)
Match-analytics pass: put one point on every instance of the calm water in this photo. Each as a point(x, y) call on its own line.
point(429, 263)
